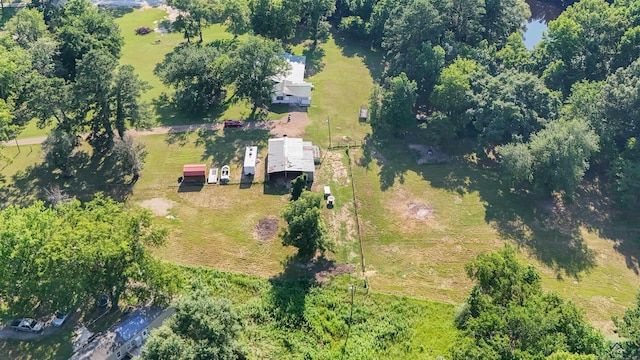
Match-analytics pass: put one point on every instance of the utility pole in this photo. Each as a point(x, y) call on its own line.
point(352, 290)
point(329, 127)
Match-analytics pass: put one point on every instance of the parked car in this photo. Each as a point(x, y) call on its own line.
point(59, 319)
point(27, 325)
point(232, 123)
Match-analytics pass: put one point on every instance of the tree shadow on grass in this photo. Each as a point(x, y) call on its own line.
point(314, 57)
point(228, 146)
point(551, 229)
point(118, 11)
point(290, 288)
point(362, 49)
point(90, 176)
point(169, 114)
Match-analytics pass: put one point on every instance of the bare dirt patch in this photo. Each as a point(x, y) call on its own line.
point(334, 270)
point(333, 164)
point(342, 224)
point(420, 211)
point(292, 128)
point(159, 206)
point(266, 229)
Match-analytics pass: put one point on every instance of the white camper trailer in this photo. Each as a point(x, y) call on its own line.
point(250, 158)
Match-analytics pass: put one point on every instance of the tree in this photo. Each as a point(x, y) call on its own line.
point(512, 106)
point(316, 14)
point(8, 127)
point(502, 18)
point(127, 109)
point(26, 27)
point(555, 159)
point(582, 43)
point(199, 74)
point(514, 55)
point(298, 185)
point(130, 155)
point(112, 244)
point(58, 150)
point(194, 15)
point(237, 16)
point(392, 105)
point(275, 19)
point(626, 174)
point(47, 99)
point(83, 28)
point(508, 316)
point(107, 99)
point(451, 94)
point(15, 63)
point(305, 227)
point(44, 52)
point(52, 258)
point(201, 328)
point(409, 27)
point(629, 325)
point(255, 66)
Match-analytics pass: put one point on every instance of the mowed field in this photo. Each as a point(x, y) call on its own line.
point(419, 223)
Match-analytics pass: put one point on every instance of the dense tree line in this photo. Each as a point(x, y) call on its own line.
point(57, 257)
point(64, 73)
point(547, 115)
point(508, 316)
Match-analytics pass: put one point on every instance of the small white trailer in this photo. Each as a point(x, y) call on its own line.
point(250, 158)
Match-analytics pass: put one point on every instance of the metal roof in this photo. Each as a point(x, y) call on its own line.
point(290, 154)
point(296, 73)
point(194, 170)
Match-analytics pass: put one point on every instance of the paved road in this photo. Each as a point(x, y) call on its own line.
point(156, 130)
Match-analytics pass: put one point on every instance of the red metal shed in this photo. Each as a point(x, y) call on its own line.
point(194, 172)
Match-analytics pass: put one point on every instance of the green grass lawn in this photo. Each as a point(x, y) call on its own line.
point(55, 346)
point(144, 52)
point(341, 86)
point(422, 223)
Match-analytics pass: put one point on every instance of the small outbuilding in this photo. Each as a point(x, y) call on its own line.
point(291, 157)
point(194, 173)
point(250, 159)
point(364, 114)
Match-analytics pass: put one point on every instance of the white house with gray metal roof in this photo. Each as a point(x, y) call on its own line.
point(291, 88)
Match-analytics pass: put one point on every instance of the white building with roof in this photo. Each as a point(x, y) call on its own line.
point(291, 88)
point(125, 339)
point(291, 157)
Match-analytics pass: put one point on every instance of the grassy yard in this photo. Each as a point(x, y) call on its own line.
point(422, 223)
point(144, 52)
point(419, 223)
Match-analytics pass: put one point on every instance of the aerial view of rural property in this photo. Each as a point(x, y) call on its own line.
point(319, 179)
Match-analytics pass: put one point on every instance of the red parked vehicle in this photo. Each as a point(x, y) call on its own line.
point(232, 123)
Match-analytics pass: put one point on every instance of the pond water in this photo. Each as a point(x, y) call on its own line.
point(541, 13)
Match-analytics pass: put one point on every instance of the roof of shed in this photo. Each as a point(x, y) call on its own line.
point(290, 154)
point(194, 170)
